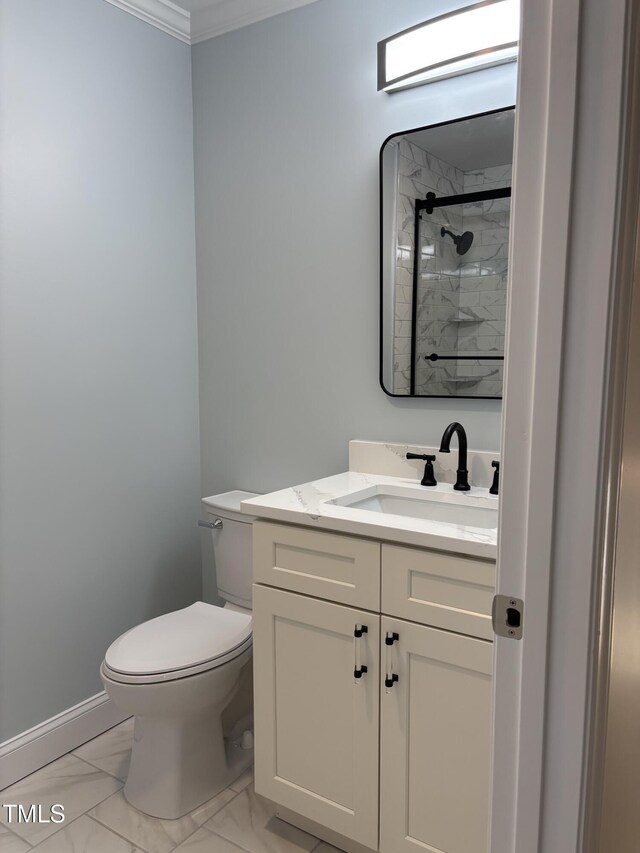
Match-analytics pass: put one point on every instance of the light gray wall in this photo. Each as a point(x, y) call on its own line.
point(99, 480)
point(288, 126)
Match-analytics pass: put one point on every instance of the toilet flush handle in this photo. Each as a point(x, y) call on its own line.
point(214, 525)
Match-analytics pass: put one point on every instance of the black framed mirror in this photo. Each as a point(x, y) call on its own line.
point(445, 190)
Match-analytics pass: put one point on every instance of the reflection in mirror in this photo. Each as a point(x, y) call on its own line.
point(446, 189)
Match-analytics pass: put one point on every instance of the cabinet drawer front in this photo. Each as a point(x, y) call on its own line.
point(443, 590)
point(337, 568)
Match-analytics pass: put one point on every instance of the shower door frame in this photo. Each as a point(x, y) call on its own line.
point(428, 204)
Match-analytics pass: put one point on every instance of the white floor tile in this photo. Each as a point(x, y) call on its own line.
point(69, 781)
point(204, 841)
point(212, 807)
point(85, 836)
point(10, 843)
point(242, 781)
point(249, 822)
point(152, 833)
point(111, 751)
point(88, 784)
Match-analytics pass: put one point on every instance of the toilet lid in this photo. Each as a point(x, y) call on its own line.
point(184, 638)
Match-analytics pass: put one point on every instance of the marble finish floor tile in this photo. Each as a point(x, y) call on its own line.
point(85, 836)
point(111, 751)
point(242, 781)
point(249, 822)
point(323, 847)
point(73, 783)
point(205, 841)
point(151, 833)
point(10, 843)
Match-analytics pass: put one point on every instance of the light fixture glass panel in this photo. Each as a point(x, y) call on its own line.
point(461, 66)
point(478, 36)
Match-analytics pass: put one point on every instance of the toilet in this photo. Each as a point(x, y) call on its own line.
point(179, 675)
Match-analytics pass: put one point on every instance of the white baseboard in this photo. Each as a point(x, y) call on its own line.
point(47, 741)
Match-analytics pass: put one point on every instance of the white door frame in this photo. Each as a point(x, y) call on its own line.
point(564, 229)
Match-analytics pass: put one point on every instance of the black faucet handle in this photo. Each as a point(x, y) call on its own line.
point(496, 477)
point(428, 478)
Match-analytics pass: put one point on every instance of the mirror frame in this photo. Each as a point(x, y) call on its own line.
point(381, 256)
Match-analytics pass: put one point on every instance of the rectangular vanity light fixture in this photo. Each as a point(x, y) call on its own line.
point(468, 39)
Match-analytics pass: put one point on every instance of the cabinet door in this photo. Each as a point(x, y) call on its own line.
point(434, 741)
point(316, 725)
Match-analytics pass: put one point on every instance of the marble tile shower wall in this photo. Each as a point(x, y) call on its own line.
point(419, 172)
point(483, 283)
point(461, 298)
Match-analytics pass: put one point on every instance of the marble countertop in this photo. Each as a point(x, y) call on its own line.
point(307, 504)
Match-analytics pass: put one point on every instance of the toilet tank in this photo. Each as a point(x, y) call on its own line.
point(231, 545)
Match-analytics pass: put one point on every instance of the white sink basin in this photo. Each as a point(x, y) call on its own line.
point(413, 503)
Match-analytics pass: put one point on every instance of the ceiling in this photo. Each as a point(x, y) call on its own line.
point(194, 5)
point(192, 21)
point(475, 143)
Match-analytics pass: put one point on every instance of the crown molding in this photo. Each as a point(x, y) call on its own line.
point(163, 14)
point(226, 15)
point(221, 16)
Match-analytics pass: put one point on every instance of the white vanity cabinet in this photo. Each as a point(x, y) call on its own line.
point(398, 758)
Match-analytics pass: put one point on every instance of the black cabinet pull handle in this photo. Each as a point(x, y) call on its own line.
point(390, 638)
point(358, 632)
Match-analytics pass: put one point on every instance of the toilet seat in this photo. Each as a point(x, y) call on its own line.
point(179, 644)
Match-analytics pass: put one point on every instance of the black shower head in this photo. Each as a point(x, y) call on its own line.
point(462, 241)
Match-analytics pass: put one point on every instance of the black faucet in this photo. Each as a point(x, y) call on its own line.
point(462, 475)
point(429, 478)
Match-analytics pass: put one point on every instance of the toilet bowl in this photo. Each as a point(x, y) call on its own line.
point(178, 673)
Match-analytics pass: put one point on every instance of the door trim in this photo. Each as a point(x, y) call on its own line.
point(540, 221)
point(571, 110)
